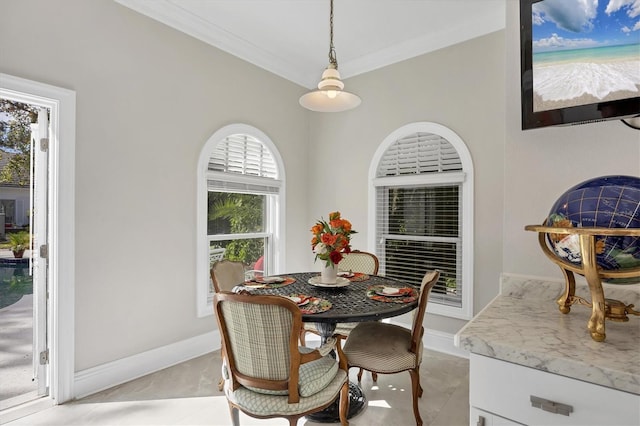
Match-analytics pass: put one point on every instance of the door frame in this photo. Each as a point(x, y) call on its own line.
point(61, 222)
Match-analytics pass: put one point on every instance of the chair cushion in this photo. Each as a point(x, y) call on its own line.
point(260, 404)
point(381, 347)
point(313, 376)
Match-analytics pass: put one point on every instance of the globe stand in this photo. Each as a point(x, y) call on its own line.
point(601, 308)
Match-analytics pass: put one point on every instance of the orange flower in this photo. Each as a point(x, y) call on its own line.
point(331, 238)
point(335, 223)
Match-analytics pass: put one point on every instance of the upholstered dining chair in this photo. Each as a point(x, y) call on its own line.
point(227, 274)
point(267, 374)
point(388, 348)
point(354, 261)
point(215, 255)
point(359, 261)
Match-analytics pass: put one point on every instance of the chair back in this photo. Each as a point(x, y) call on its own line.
point(359, 261)
point(428, 282)
point(227, 274)
point(260, 340)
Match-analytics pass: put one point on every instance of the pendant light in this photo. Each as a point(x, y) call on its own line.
point(330, 97)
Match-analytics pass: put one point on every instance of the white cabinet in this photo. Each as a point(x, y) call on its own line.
point(482, 418)
point(506, 393)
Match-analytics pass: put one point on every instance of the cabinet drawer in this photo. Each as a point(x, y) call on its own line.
point(482, 418)
point(505, 389)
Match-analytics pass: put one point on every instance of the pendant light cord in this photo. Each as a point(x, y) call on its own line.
point(332, 51)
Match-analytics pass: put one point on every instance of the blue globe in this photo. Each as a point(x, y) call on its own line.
point(608, 202)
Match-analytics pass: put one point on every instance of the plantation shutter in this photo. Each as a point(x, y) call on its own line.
point(419, 213)
point(241, 163)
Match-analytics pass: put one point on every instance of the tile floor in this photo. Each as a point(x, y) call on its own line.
point(186, 394)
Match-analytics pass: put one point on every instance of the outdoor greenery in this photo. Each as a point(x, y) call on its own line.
point(15, 140)
point(233, 213)
point(19, 241)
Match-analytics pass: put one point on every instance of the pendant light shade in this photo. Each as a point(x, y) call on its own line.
point(330, 96)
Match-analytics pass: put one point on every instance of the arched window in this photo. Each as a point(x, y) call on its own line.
point(422, 199)
point(240, 198)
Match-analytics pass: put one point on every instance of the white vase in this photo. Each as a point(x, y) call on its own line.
point(329, 274)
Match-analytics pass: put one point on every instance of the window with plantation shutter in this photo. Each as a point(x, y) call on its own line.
point(240, 219)
point(422, 195)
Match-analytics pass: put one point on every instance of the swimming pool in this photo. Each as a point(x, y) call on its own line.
point(15, 281)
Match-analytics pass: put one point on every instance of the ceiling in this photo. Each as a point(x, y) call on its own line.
point(290, 38)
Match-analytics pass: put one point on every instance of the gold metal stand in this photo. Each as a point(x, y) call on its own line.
point(601, 308)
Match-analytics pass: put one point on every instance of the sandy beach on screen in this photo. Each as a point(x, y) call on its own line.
point(540, 105)
point(566, 84)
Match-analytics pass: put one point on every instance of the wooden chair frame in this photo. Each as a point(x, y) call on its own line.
point(297, 358)
point(417, 331)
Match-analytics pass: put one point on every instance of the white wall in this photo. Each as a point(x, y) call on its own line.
point(460, 87)
point(543, 163)
point(148, 98)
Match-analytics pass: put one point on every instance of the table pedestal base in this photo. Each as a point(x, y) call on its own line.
point(331, 414)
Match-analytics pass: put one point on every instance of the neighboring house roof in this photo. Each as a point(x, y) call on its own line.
point(5, 156)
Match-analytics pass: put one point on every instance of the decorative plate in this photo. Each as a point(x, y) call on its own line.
point(354, 276)
point(270, 282)
point(315, 306)
point(393, 291)
point(298, 299)
point(407, 295)
point(340, 282)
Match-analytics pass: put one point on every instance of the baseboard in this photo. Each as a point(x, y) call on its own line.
point(107, 375)
point(111, 374)
point(438, 341)
point(30, 407)
point(442, 342)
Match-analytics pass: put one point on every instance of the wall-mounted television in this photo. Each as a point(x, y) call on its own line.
point(580, 61)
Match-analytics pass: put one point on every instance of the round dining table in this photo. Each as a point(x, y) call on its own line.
point(355, 298)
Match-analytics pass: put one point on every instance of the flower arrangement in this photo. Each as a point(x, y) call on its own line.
point(332, 238)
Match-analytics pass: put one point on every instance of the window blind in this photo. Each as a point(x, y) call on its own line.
point(419, 153)
point(244, 155)
point(419, 225)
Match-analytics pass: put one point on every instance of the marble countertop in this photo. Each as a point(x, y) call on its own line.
point(524, 326)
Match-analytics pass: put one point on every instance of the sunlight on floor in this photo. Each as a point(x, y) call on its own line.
point(187, 394)
point(379, 403)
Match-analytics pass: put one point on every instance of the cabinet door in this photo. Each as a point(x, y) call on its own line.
point(479, 417)
point(535, 397)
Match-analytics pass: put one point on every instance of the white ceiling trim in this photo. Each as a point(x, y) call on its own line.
point(307, 73)
point(419, 46)
point(174, 16)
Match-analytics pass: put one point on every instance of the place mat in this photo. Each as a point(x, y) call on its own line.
point(357, 276)
point(257, 284)
point(409, 294)
point(315, 306)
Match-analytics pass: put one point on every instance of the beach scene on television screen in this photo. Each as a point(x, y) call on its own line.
point(584, 52)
